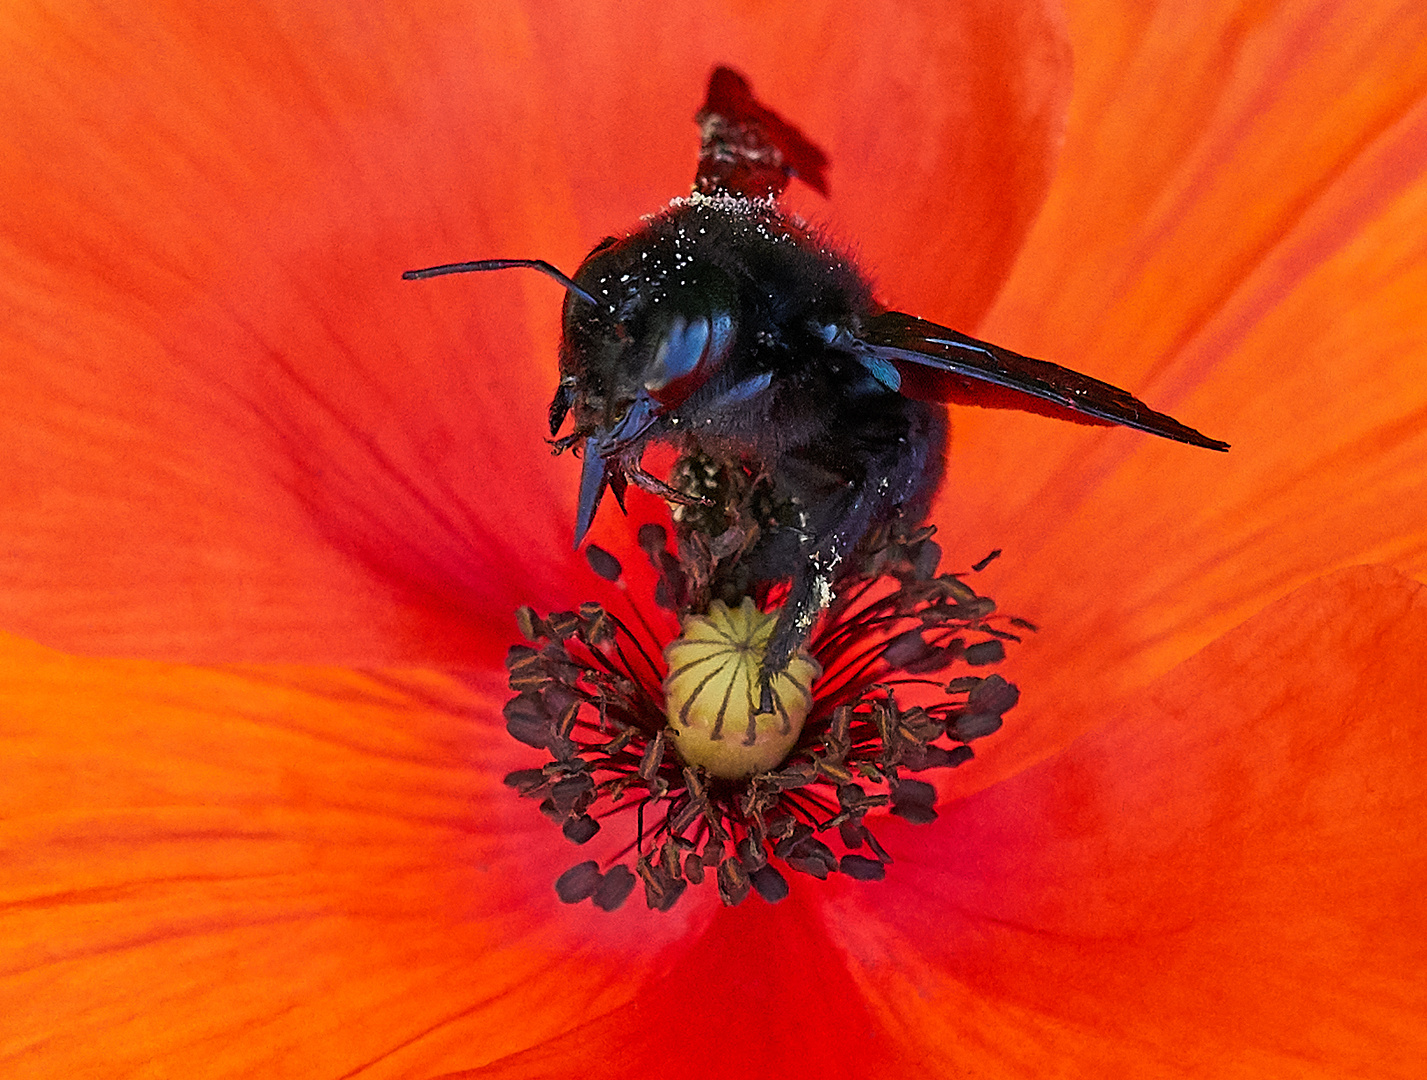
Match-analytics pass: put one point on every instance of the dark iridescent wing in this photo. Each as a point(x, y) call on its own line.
point(934, 363)
point(748, 149)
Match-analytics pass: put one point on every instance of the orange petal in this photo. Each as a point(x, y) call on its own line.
point(1226, 880)
point(282, 871)
point(232, 433)
point(1236, 235)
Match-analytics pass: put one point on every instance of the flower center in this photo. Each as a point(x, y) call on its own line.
point(657, 746)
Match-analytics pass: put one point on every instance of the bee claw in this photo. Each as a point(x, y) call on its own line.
point(765, 697)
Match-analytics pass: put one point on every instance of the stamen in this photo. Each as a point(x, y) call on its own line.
point(876, 697)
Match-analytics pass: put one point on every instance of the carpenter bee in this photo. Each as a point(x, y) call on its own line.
point(730, 329)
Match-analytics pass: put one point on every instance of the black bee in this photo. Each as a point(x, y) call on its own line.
point(729, 329)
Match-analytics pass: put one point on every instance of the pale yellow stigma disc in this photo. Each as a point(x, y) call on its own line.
point(711, 693)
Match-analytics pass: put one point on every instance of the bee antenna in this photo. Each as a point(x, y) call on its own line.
point(501, 264)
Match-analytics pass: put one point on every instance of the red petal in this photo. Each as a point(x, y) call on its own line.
point(1226, 878)
point(762, 994)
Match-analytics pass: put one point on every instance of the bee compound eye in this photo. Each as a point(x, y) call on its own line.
point(679, 352)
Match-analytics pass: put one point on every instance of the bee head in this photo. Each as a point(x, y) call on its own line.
point(648, 321)
point(661, 325)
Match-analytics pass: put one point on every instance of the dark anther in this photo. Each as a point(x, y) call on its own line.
point(985, 703)
point(527, 721)
point(597, 629)
point(852, 797)
point(939, 659)
point(691, 812)
point(581, 829)
point(985, 652)
point(669, 859)
point(661, 889)
point(653, 756)
point(769, 884)
point(795, 775)
point(984, 563)
point(694, 869)
point(752, 854)
point(974, 726)
point(927, 558)
point(922, 758)
point(653, 539)
point(812, 857)
point(579, 882)
point(919, 726)
point(779, 829)
point(907, 648)
point(603, 563)
point(795, 833)
point(670, 897)
point(528, 623)
point(732, 882)
point(914, 800)
point(993, 694)
point(614, 888)
point(877, 849)
point(862, 868)
point(561, 705)
point(525, 781)
point(913, 791)
point(563, 624)
point(527, 667)
point(572, 792)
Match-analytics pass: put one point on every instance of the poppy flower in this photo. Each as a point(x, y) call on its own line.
point(269, 512)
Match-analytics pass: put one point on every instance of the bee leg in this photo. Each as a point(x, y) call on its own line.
point(811, 588)
point(811, 592)
point(897, 479)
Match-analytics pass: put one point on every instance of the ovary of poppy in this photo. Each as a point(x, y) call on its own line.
point(227, 439)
